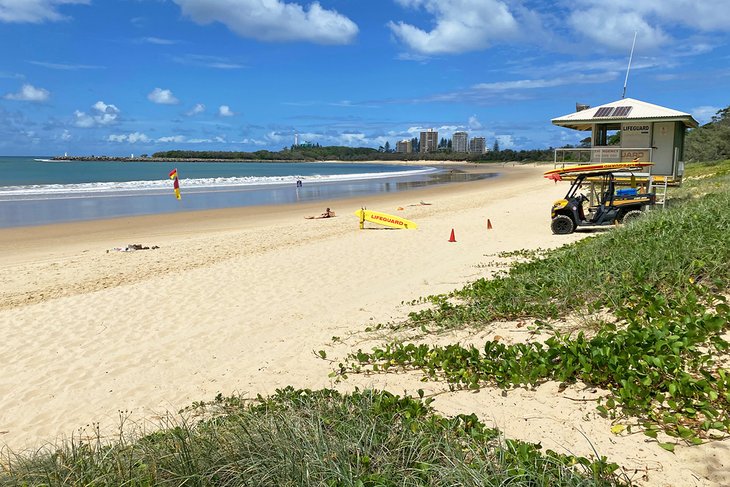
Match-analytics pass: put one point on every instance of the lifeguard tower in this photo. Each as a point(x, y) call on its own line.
point(649, 133)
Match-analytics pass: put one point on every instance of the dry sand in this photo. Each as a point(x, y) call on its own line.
point(240, 300)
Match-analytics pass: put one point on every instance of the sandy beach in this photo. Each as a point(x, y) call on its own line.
point(240, 301)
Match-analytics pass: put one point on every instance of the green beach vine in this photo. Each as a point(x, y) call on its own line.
point(658, 368)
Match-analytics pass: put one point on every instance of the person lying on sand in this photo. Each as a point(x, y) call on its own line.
point(327, 214)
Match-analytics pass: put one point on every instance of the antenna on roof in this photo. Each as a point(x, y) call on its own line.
point(631, 56)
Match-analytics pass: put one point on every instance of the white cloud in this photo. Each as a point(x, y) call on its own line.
point(704, 114)
point(225, 111)
point(482, 93)
point(273, 20)
point(83, 120)
point(64, 67)
point(474, 123)
point(162, 97)
point(531, 84)
point(29, 93)
point(249, 141)
point(196, 110)
point(33, 11)
point(159, 41)
point(615, 26)
point(417, 130)
point(461, 25)
point(704, 15)
point(105, 114)
point(467, 25)
point(350, 138)
point(131, 138)
point(616, 30)
point(64, 136)
point(173, 138)
point(215, 62)
point(11, 75)
point(281, 137)
point(101, 114)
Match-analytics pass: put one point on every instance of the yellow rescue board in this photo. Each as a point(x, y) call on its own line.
point(391, 221)
point(607, 166)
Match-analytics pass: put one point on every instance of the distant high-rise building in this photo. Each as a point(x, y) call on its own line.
point(477, 145)
point(459, 142)
point(429, 141)
point(404, 146)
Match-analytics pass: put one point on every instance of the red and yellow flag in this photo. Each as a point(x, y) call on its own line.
point(175, 183)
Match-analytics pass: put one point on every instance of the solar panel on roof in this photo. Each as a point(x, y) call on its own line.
point(604, 112)
point(621, 111)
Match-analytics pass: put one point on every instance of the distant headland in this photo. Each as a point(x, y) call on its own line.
point(322, 154)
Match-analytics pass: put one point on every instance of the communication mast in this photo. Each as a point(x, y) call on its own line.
point(631, 56)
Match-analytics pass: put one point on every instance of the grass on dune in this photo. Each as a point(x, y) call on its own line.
point(300, 438)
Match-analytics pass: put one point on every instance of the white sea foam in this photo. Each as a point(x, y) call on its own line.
point(222, 183)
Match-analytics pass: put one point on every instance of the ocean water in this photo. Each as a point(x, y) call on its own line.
point(35, 190)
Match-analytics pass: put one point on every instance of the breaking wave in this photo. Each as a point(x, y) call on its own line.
point(85, 190)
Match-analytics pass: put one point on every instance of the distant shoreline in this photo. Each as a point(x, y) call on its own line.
point(160, 159)
point(297, 161)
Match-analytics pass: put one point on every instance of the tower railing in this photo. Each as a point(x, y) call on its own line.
point(596, 155)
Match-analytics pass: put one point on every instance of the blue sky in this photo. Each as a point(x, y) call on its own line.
point(139, 76)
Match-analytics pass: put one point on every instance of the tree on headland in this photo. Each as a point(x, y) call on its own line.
point(495, 147)
point(710, 142)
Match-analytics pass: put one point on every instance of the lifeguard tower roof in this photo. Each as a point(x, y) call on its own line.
point(624, 110)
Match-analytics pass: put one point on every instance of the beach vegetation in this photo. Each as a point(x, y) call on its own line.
point(658, 363)
point(303, 438)
point(710, 142)
point(661, 284)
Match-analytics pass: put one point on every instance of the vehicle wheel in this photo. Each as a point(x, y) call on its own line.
point(562, 225)
point(631, 216)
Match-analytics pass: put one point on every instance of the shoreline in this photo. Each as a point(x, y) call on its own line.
point(24, 211)
point(264, 161)
point(212, 217)
point(137, 227)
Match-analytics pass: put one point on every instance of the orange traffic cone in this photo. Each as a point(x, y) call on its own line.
point(452, 238)
point(489, 224)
